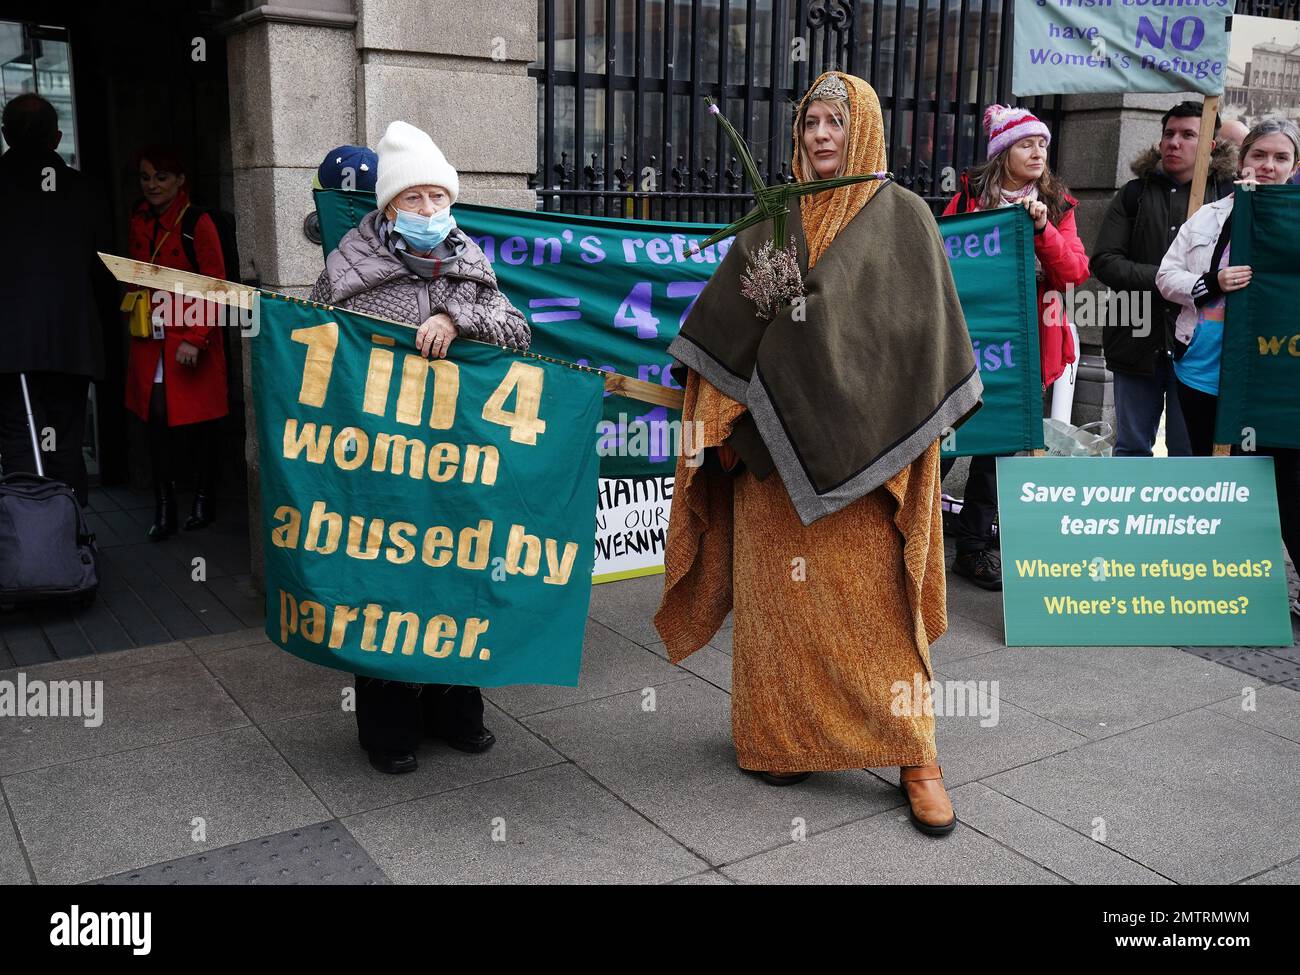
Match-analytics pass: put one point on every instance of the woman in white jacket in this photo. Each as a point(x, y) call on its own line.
point(1197, 273)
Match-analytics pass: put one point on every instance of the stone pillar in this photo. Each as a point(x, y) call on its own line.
point(292, 98)
point(460, 73)
point(1099, 137)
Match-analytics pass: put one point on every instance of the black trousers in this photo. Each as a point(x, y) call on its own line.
point(973, 529)
point(1199, 413)
point(1200, 410)
point(58, 406)
point(192, 449)
point(394, 716)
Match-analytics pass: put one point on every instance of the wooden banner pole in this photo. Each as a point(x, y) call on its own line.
point(1204, 146)
point(242, 296)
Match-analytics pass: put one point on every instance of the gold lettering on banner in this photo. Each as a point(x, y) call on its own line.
point(316, 443)
point(477, 540)
point(374, 535)
point(410, 635)
point(474, 628)
point(491, 461)
point(525, 382)
point(372, 614)
point(443, 454)
point(286, 534)
point(403, 444)
point(333, 529)
point(439, 628)
point(322, 342)
point(446, 391)
point(341, 444)
point(401, 550)
point(517, 543)
point(378, 377)
point(437, 549)
point(403, 629)
point(343, 615)
point(312, 623)
point(288, 615)
point(558, 569)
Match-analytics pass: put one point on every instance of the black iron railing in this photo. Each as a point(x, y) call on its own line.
point(622, 127)
point(621, 85)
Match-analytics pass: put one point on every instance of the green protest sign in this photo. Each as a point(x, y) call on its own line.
point(1070, 46)
point(1139, 551)
point(612, 294)
point(992, 258)
point(423, 520)
point(1259, 378)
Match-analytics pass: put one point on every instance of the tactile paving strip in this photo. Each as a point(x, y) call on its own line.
point(322, 854)
point(1261, 664)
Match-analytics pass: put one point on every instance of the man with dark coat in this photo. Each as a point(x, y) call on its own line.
point(49, 320)
point(1140, 224)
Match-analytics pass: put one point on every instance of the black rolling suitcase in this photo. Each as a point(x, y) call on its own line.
point(47, 551)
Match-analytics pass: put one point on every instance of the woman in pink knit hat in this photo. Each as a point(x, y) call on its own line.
point(1017, 174)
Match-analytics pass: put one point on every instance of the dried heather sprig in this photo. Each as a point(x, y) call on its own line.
point(772, 279)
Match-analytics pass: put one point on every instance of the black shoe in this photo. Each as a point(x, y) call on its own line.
point(164, 512)
point(454, 714)
point(472, 743)
point(773, 778)
point(393, 763)
point(203, 513)
point(984, 568)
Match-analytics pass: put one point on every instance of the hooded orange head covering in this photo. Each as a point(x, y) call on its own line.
point(826, 214)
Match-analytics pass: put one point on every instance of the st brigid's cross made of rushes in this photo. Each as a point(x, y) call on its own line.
point(773, 201)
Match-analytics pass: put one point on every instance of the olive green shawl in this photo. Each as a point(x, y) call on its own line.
point(849, 387)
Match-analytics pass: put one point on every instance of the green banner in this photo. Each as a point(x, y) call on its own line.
point(1259, 380)
point(992, 258)
point(1141, 551)
point(423, 520)
point(597, 291)
point(612, 293)
point(1070, 46)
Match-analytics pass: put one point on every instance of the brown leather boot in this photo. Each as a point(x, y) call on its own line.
point(931, 809)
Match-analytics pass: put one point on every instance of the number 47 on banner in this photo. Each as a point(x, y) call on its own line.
point(635, 312)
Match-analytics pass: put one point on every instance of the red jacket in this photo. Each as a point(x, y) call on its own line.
point(194, 393)
point(1064, 261)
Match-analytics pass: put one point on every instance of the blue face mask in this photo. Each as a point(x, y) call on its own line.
point(424, 234)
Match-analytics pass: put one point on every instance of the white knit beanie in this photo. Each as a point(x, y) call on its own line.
point(408, 157)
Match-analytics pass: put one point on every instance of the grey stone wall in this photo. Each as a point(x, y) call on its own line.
point(460, 74)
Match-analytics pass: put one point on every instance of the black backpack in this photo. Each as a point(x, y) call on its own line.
point(225, 224)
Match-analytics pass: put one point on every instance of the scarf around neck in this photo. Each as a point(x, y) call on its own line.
point(1013, 197)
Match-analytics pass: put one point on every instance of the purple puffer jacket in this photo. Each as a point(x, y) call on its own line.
point(363, 275)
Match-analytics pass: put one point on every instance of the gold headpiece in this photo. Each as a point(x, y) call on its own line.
point(831, 87)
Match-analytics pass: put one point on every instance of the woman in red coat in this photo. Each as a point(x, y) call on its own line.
point(176, 379)
point(1017, 174)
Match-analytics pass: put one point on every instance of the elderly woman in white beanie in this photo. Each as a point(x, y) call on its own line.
point(408, 262)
